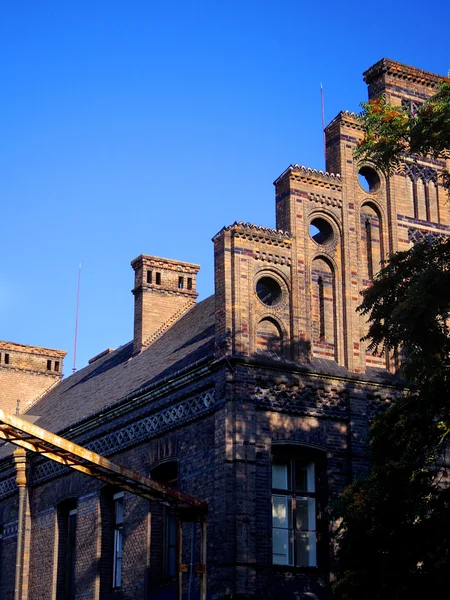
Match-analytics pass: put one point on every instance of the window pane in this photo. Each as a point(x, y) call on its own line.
point(119, 510)
point(306, 549)
point(301, 514)
point(280, 476)
point(305, 514)
point(283, 549)
point(282, 512)
point(117, 571)
point(304, 477)
point(310, 478)
point(300, 477)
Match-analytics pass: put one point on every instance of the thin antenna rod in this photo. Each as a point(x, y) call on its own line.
point(74, 368)
point(323, 125)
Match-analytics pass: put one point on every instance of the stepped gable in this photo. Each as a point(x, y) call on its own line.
point(315, 177)
point(402, 72)
point(117, 375)
point(348, 118)
point(257, 232)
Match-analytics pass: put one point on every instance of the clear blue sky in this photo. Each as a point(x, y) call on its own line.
point(136, 126)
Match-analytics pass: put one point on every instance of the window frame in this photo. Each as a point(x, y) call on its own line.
point(118, 521)
point(302, 454)
point(166, 472)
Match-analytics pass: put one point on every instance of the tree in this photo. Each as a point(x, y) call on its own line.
point(394, 536)
point(391, 132)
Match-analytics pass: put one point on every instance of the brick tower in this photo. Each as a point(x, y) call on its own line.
point(334, 229)
point(163, 291)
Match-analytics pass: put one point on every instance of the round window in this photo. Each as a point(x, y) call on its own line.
point(268, 291)
point(368, 179)
point(321, 231)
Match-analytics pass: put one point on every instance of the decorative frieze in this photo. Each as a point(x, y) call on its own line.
point(137, 432)
point(325, 200)
point(308, 401)
point(8, 486)
point(416, 235)
point(276, 259)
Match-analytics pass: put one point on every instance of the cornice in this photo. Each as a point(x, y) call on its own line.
point(400, 71)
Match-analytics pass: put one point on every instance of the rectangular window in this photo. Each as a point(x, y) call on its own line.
point(189, 283)
point(149, 276)
point(180, 283)
point(49, 365)
point(56, 365)
point(71, 553)
point(158, 278)
point(294, 513)
point(118, 539)
point(6, 358)
point(170, 544)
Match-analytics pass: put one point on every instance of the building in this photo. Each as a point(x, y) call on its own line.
point(256, 400)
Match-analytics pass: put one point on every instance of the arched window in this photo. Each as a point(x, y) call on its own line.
point(371, 241)
point(167, 474)
point(323, 309)
point(421, 186)
point(66, 549)
point(268, 336)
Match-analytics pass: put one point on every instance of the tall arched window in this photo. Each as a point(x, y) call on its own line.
point(268, 336)
point(371, 241)
point(323, 309)
point(421, 184)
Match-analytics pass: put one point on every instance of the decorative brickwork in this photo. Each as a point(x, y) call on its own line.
point(270, 370)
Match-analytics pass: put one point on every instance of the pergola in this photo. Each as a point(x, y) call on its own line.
point(37, 440)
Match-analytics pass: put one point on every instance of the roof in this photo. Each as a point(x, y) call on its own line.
point(118, 374)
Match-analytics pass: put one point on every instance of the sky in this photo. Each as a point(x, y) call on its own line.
point(143, 127)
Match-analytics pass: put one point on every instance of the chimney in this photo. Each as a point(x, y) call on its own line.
point(163, 291)
point(26, 374)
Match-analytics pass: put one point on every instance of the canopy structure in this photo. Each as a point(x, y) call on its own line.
point(40, 441)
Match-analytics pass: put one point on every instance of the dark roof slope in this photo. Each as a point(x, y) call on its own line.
point(119, 374)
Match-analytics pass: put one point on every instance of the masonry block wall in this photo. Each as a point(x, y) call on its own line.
point(26, 373)
point(252, 282)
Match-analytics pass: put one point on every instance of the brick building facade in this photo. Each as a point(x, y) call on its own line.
point(256, 400)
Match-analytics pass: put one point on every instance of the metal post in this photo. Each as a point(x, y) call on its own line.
point(179, 559)
point(20, 458)
point(203, 559)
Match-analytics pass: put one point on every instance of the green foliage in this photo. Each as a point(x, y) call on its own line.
point(408, 305)
point(391, 132)
point(394, 537)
